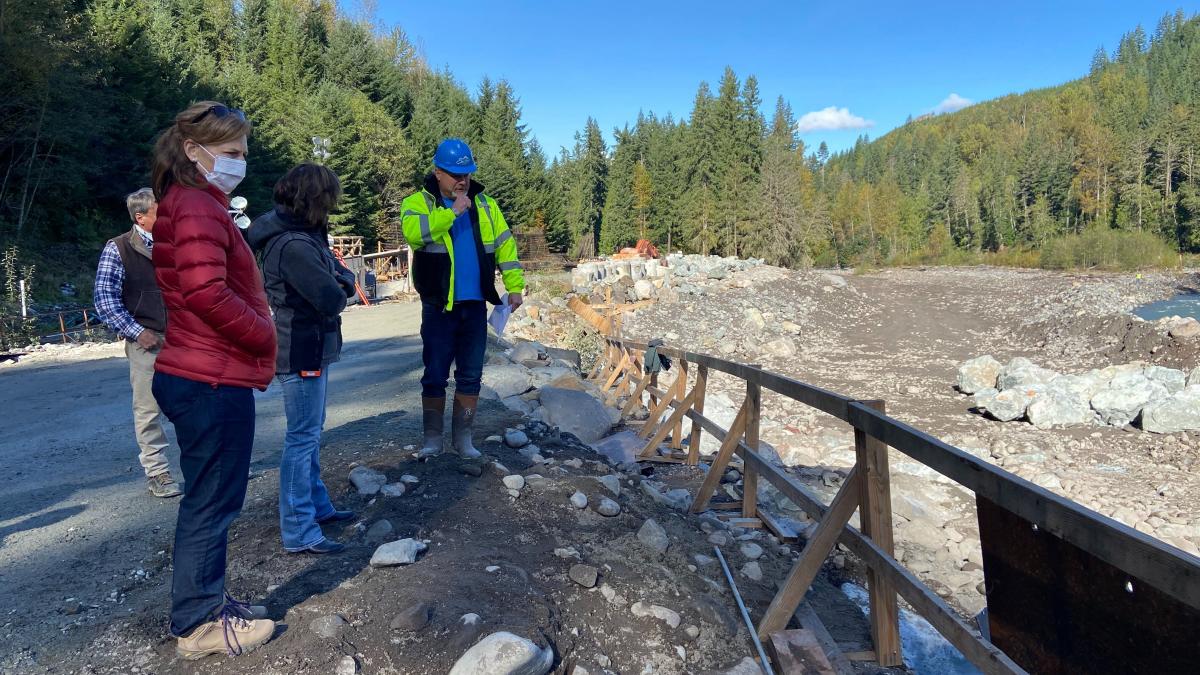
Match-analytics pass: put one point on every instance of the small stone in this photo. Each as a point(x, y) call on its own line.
point(718, 539)
point(611, 483)
point(331, 626)
point(654, 537)
point(380, 530)
point(514, 493)
point(72, 607)
point(492, 569)
point(471, 469)
point(514, 481)
point(670, 617)
point(752, 571)
point(584, 575)
point(414, 618)
point(366, 480)
point(347, 666)
point(408, 479)
point(751, 551)
point(607, 507)
point(515, 438)
point(703, 560)
point(579, 500)
point(403, 552)
point(392, 490)
point(504, 653)
point(565, 553)
point(692, 632)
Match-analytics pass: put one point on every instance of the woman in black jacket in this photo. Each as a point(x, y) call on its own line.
point(307, 289)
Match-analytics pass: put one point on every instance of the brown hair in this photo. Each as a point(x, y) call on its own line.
point(170, 165)
point(309, 192)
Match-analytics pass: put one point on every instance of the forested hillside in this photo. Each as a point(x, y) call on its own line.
point(86, 84)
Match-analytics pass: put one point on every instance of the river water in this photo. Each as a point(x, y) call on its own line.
point(1187, 304)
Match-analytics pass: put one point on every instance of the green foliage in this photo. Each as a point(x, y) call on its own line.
point(1108, 249)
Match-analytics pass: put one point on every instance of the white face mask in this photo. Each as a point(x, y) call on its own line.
point(227, 172)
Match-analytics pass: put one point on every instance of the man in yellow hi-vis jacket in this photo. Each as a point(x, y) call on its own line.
point(459, 239)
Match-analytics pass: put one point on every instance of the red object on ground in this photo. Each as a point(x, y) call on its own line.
point(643, 249)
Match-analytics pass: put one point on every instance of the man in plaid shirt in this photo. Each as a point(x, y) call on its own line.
point(128, 300)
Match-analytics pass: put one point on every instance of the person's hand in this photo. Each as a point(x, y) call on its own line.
point(149, 340)
point(514, 301)
point(461, 203)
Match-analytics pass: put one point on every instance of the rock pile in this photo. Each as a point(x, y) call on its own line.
point(636, 280)
point(1160, 400)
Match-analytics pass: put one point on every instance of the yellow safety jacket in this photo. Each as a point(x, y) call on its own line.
point(426, 225)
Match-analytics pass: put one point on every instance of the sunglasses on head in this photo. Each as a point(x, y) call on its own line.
point(220, 112)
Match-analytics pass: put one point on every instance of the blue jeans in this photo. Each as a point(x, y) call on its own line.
point(302, 495)
point(215, 428)
point(459, 337)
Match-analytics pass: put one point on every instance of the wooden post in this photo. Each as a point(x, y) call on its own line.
point(791, 593)
point(694, 440)
point(750, 475)
point(63, 327)
point(677, 432)
point(875, 506)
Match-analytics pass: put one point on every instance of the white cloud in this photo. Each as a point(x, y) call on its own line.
point(831, 119)
point(951, 103)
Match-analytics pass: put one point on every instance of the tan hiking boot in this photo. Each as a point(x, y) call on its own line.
point(229, 634)
point(244, 610)
point(163, 485)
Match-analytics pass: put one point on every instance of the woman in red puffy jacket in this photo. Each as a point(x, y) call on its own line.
point(220, 346)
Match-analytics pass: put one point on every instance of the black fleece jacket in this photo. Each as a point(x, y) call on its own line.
point(307, 289)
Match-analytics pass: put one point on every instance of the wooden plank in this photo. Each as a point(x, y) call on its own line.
point(713, 478)
point(636, 398)
point(781, 531)
point(798, 652)
point(669, 424)
point(861, 655)
point(735, 520)
point(698, 406)
point(876, 516)
point(726, 506)
point(845, 502)
point(809, 620)
point(612, 378)
point(750, 477)
point(983, 654)
point(1168, 569)
point(655, 413)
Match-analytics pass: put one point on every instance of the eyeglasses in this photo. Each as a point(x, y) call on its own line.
point(220, 112)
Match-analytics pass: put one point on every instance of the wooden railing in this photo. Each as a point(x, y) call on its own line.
point(866, 489)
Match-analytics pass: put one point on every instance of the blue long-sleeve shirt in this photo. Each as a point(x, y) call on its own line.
point(110, 279)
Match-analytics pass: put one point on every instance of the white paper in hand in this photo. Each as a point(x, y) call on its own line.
point(500, 314)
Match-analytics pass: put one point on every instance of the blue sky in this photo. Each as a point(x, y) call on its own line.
point(879, 61)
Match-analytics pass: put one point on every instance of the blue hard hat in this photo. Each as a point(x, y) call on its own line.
point(453, 156)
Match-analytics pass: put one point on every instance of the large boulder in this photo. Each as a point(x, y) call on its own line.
point(1194, 377)
point(504, 654)
point(1122, 400)
point(507, 380)
point(541, 377)
point(1021, 372)
point(1180, 412)
point(1011, 404)
point(978, 374)
point(1173, 380)
point(1064, 402)
point(644, 289)
point(576, 412)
